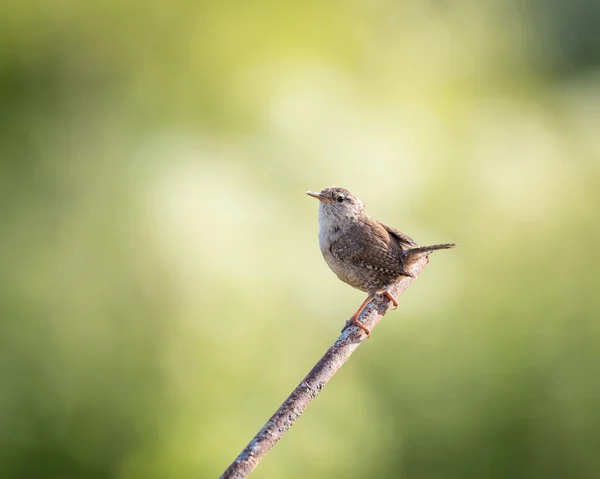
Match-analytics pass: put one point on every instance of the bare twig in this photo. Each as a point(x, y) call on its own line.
point(315, 380)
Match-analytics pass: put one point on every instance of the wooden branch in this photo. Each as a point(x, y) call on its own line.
point(315, 380)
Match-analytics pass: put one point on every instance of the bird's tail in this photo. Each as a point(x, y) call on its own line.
point(414, 254)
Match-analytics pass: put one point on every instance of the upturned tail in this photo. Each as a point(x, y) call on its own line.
point(414, 254)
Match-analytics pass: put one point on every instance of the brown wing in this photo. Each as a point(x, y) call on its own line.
point(372, 247)
point(404, 241)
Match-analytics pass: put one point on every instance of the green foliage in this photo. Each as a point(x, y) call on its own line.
point(161, 288)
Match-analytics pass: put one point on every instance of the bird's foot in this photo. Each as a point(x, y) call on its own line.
point(388, 295)
point(353, 321)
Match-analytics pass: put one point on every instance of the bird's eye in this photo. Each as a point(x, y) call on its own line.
point(340, 198)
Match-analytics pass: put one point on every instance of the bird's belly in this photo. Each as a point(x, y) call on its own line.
point(356, 276)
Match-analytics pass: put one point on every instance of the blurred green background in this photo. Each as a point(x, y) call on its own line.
point(161, 286)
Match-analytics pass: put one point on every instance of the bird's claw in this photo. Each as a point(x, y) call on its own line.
point(388, 295)
point(353, 321)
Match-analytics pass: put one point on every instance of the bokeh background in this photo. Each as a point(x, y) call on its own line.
point(161, 286)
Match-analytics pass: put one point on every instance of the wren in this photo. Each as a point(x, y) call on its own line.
point(361, 251)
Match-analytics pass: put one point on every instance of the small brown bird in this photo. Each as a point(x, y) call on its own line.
point(361, 251)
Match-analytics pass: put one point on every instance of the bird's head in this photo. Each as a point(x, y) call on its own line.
point(336, 202)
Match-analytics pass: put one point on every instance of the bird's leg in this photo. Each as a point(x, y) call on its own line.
point(354, 319)
point(388, 295)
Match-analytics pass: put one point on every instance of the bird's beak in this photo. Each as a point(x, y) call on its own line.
point(318, 196)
